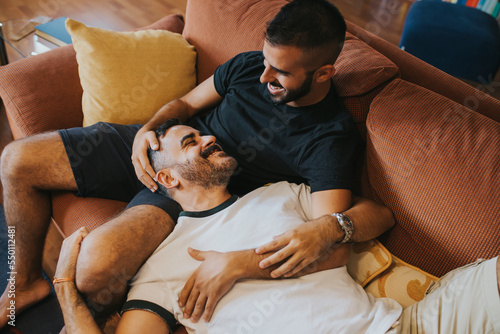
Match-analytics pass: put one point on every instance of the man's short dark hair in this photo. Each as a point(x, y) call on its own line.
point(308, 24)
point(162, 129)
point(160, 160)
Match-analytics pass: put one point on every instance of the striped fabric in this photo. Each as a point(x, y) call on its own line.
point(436, 164)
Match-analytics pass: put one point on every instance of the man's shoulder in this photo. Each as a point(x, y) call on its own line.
point(249, 56)
point(246, 66)
point(244, 61)
point(280, 189)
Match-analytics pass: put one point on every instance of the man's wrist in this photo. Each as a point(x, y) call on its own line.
point(244, 264)
point(346, 225)
point(65, 288)
point(335, 231)
point(146, 128)
point(248, 265)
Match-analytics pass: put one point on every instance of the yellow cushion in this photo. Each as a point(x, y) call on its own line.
point(128, 76)
point(404, 283)
point(367, 260)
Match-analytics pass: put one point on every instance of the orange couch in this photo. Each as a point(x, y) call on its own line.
point(432, 141)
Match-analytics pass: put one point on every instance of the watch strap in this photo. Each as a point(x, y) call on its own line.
point(346, 225)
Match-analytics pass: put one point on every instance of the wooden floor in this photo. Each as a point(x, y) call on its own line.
point(382, 17)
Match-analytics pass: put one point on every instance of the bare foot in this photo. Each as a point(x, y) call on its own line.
point(16, 299)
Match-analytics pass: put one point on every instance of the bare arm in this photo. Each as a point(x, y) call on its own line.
point(76, 314)
point(199, 99)
point(370, 219)
point(77, 317)
point(141, 321)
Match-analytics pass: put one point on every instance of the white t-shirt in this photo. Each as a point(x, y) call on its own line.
point(324, 302)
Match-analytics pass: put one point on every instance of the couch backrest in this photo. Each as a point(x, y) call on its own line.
point(419, 72)
point(436, 164)
point(221, 29)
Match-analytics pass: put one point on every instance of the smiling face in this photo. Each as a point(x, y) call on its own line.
point(196, 159)
point(292, 77)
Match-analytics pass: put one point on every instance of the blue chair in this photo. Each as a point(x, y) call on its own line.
point(460, 40)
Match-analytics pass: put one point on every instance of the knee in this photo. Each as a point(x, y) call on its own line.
point(14, 161)
point(96, 274)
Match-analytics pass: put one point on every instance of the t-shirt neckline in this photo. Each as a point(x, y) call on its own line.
point(212, 211)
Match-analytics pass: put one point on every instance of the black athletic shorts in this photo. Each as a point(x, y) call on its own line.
point(100, 157)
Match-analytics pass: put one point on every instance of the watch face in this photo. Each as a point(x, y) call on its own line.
point(346, 221)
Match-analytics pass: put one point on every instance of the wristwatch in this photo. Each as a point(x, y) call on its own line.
point(346, 225)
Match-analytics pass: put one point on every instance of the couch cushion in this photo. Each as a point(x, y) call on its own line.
point(402, 282)
point(436, 164)
point(360, 68)
point(367, 260)
point(42, 93)
point(128, 76)
point(220, 30)
point(361, 73)
point(71, 212)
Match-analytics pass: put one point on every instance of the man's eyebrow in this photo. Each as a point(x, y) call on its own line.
point(186, 137)
point(277, 69)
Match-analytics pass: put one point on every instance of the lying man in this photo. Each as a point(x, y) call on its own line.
point(222, 227)
point(276, 111)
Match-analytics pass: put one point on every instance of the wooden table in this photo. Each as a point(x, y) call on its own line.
point(12, 50)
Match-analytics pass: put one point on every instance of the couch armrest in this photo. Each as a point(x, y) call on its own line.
point(43, 93)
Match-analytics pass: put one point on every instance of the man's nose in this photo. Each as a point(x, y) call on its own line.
point(266, 76)
point(208, 140)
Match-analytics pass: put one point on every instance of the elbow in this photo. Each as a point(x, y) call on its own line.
point(389, 219)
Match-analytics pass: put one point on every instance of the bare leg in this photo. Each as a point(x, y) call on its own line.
point(139, 321)
point(31, 167)
point(112, 253)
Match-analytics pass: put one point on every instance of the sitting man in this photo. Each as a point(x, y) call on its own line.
point(275, 111)
point(195, 172)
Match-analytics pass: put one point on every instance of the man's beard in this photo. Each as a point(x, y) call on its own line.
point(293, 95)
point(206, 173)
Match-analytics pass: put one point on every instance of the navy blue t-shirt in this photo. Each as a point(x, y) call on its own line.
point(316, 144)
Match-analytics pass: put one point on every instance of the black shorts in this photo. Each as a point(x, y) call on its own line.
point(100, 157)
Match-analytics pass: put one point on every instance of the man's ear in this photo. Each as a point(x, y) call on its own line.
point(166, 178)
point(325, 73)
